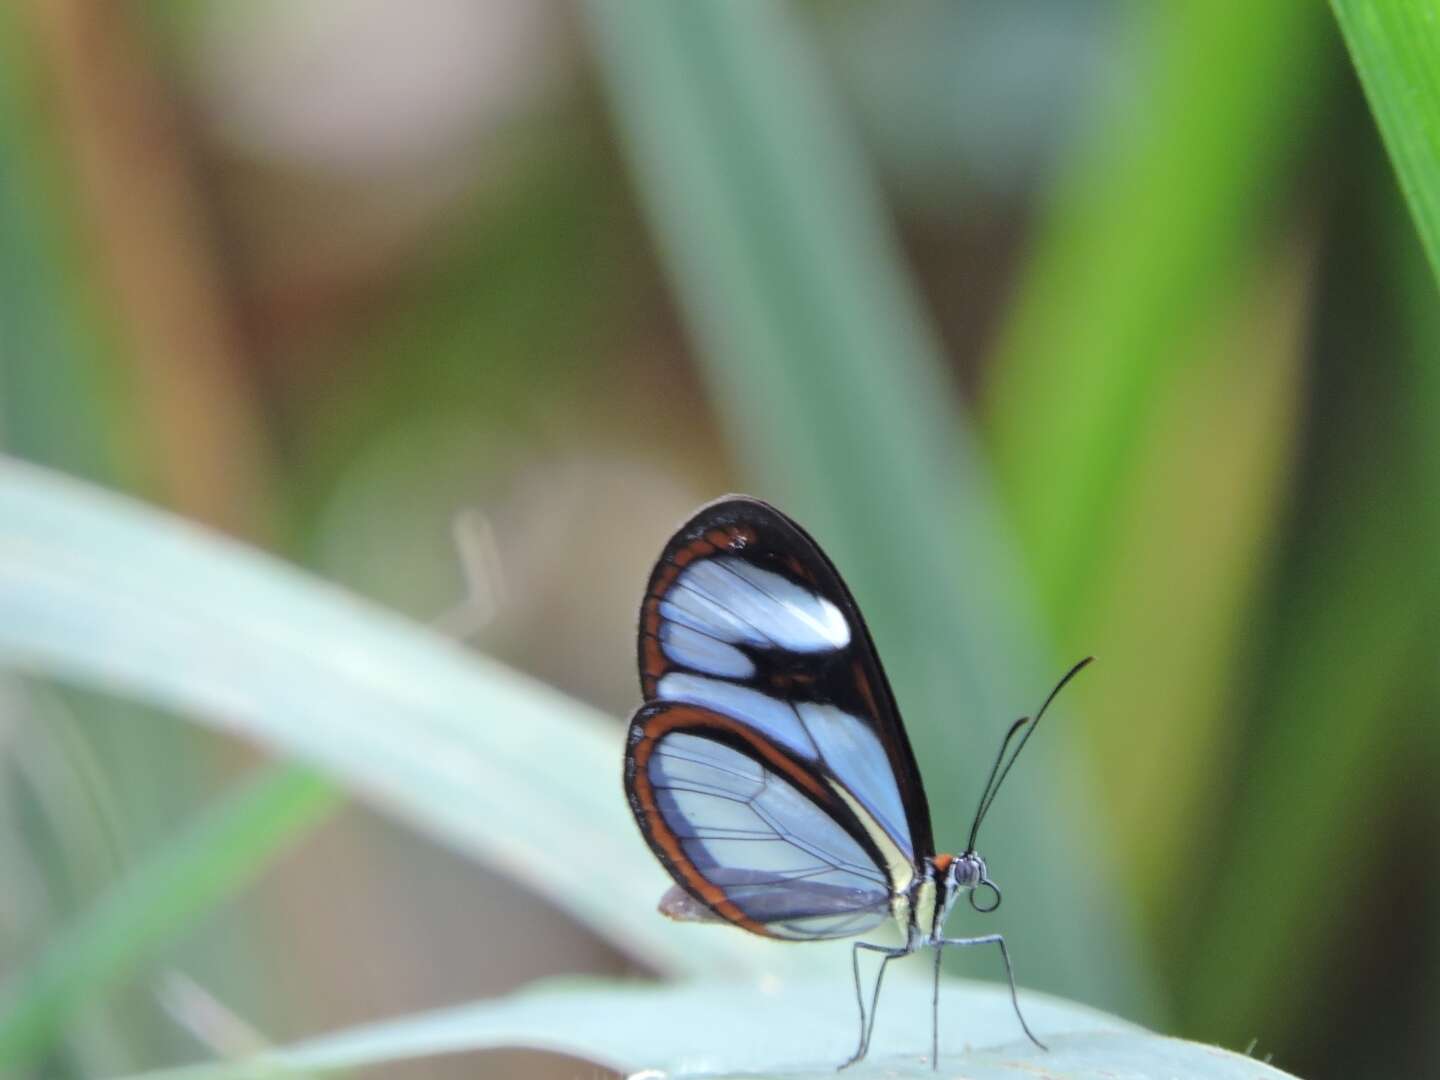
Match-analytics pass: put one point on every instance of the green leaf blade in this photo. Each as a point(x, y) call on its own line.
point(102, 590)
point(1150, 227)
point(1396, 48)
point(216, 854)
point(776, 1028)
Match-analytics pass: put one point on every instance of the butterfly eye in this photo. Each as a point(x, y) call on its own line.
point(967, 871)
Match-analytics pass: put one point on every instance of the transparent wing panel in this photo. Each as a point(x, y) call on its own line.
point(780, 858)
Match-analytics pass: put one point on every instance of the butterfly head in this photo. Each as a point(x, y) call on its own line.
point(968, 874)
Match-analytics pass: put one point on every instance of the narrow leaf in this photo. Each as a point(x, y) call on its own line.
point(1396, 48)
point(1155, 221)
point(155, 902)
point(103, 590)
point(794, 1029)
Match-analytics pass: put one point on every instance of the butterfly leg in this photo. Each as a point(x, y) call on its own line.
point(886, 955)
point(997, 939)
point(935, 1013)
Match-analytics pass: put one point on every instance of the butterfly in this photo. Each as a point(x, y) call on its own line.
point(768, 768)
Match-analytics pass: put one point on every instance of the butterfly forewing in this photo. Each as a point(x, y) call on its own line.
point(752, 652)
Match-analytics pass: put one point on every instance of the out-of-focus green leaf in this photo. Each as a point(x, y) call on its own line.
point(1335, 659)
point(1167, 740)
point(156, 901)
point(1155, 221)
point(798, 1030)
point(99, 589)
point(830, 382)
point(1144, 398)
point(1396, 48)
point(1314, 771)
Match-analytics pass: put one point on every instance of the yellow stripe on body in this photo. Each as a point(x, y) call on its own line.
point(898, 867)
point(925, 899)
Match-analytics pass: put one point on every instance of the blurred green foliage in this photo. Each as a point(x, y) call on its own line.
point(324, 277)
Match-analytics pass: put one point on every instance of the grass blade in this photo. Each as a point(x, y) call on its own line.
point(1178, 661)
point(1153, 225)
point(102, 590)
point(1396, 48)
point(798, 1029)
point(1338, 656)
point(216, 855)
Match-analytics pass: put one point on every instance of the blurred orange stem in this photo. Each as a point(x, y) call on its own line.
point(141, 213)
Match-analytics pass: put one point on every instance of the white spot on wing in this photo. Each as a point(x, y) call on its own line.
point(811, 610)
point(735, 601)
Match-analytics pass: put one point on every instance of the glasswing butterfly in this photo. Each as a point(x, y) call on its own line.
point(768, 769)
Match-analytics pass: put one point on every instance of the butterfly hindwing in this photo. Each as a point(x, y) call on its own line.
point(747, 831)
point(746, 619)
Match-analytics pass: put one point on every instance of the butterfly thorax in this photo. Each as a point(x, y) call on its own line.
point(941, 882)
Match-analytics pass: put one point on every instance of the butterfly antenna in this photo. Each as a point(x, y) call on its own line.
point(997, 773)
point(990, 780)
